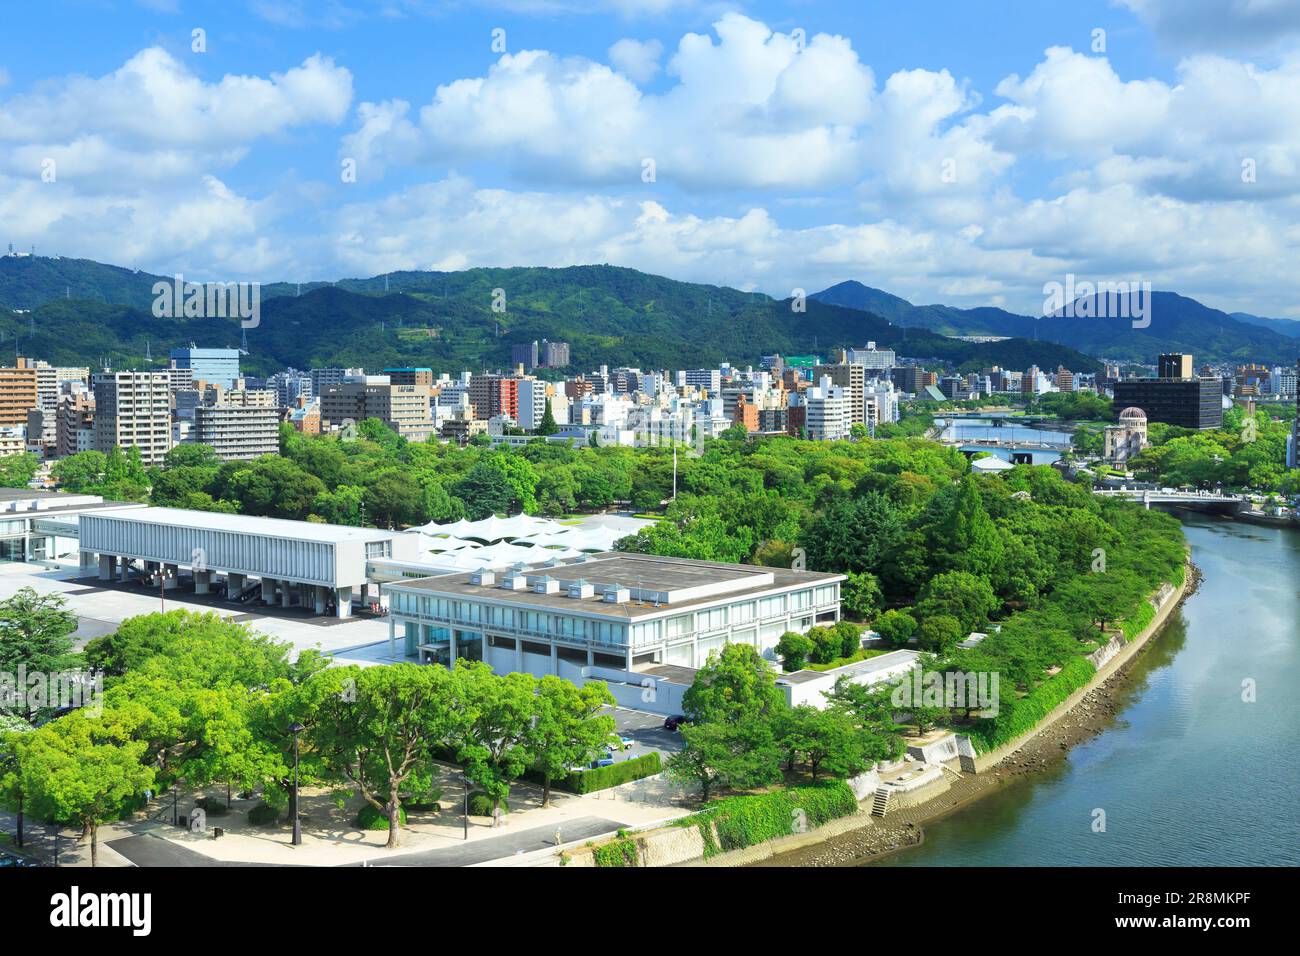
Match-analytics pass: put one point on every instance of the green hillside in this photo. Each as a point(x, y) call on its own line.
point(609, 315)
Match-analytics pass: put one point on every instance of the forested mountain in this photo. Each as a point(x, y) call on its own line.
point(1288, 327)
point(1178, 324)
point(609, 315)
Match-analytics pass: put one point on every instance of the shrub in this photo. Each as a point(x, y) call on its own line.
point(621, 852)
point(262, 814)
point(939, 633)
point(849, 636)
point(480, 805)
point(212, 806)
point(895, 627)
point(794, 649)
point(426, 803)
point(371, 818)
point(749, 820)
point(602, 778)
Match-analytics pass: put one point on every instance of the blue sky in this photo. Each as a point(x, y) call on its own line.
point(963, 152)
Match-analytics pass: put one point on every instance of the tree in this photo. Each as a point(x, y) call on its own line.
point(794, 649)
point(492, 742)
point(860, 595)
point(375, 727)
point(17, 471)
point(735, 755)
point(939, 633)
point(825, 739)
point(13, 795)
point(75, 770)
point(548, 425)
point(80, 472)
point(734, 685)
point(848, 636)
point(854, 534)
point(191, 455)
point(486, 491)
point(895, 627)
point(35, 634)
point(958, 594)
point(568, 728)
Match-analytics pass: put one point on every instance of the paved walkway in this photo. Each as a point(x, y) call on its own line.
point(506, 845)
point(149, 850)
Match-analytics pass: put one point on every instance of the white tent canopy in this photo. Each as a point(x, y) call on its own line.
point(581, 539)
point(493, 528)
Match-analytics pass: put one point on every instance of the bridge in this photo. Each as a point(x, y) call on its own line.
point(1194, 500)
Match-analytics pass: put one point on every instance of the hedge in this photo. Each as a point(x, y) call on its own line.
point(480, 805)
point(1025, 713)
point(602, 778)
point(1135, 623)
point(749, 820)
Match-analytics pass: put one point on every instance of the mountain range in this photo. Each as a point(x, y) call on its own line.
point(77, 311)
point(1177, 324)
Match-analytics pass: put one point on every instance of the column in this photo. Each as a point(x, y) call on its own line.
point(519, 655)
point(268, 590)
point(88, 560)
point(591, 657)
point(107, 565)
point(343, 598)
point(171, 576)
point(451, 652)
point(628, 656)
point(234, 584)
point(555, 659)
point(125, 570)
point(286, 593)
point(392, 633)
point(202, 582)
point(320, 596)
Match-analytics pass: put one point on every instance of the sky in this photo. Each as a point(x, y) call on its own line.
point(966, 152)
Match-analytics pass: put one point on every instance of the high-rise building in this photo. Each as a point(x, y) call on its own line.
point(218, 366)
point(872, 357)
point(493, 395)
point(554, 354)
point(323, 378)
point(241, 425)
point(289, 386)
point(1175, 365)
point(75, 428)
point(18, 393)
point(525, 354)
point(132, 410)
point(1186, 402)
point(410, 376)
point(827, 413)
point(852, 378)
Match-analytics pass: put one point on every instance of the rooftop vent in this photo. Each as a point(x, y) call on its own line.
point(546, 585)
point(484, 578)
point(617, 594)
point(514, 581)
point(581, 589)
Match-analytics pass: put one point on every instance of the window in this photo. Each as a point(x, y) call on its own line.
point(800, 600)
point(740, 613)
point(826, 594)
point(677, 626)
point(711, 620)
point(771, 606)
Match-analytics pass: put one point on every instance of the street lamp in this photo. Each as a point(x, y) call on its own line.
point(464, 774)
point(296, 729)
point(176, 820)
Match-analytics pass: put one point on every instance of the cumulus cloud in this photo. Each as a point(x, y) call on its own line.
point(154, 118)
point(751, 110)
point(636, 58)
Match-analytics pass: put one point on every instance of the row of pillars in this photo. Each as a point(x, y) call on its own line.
point(285, 593)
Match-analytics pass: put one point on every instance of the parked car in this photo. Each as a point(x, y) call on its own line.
point(674, 722)
point(602, 762)
point(626, 743)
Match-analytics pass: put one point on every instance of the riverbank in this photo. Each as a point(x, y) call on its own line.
point(1080, 718)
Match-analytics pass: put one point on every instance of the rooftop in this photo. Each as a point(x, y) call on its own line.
point(656, 585)
point(245, 524)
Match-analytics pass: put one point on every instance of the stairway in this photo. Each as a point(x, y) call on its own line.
point(880, 802)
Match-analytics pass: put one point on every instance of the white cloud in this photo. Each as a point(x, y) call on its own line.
point(636, 58)
point(748, 111)
point(153, 117)
point(1219, 24)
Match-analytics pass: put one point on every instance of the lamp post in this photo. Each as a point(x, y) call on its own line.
point(176, 820)
point(296, 729)
point(464, 775)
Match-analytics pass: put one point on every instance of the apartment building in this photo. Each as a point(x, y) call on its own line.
point(133, 410)
point(493, 395)
point(241, 426)
point(18, 393)
point(852, 378)
point(75, 426)
point(403, 408)
point(827, 415)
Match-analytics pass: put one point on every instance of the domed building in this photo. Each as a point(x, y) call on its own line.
point(1120, 442)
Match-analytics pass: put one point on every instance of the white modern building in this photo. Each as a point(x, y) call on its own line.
point(296, 563)
point(624, 618)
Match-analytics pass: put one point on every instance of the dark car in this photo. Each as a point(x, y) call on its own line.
point(674, 722)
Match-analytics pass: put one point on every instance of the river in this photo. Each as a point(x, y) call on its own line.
point(1188, 774)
